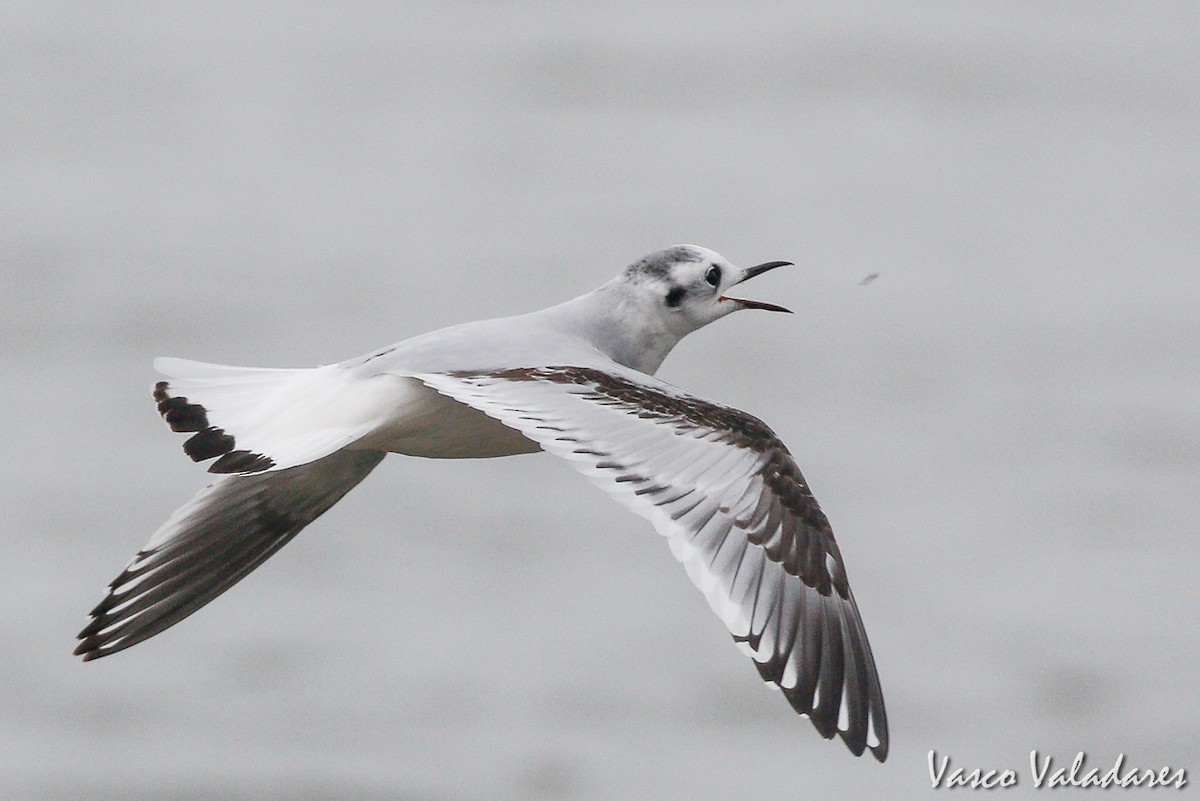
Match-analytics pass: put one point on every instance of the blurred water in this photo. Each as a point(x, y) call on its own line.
point(1003, 427)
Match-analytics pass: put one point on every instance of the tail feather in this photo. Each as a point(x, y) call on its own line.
point(212, 542)
point(252, 419)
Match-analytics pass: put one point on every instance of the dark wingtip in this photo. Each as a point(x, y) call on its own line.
point(88, 648)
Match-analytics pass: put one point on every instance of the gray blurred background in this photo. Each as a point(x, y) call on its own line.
point(1003, 426)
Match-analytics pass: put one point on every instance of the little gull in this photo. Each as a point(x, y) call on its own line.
point(575, 380)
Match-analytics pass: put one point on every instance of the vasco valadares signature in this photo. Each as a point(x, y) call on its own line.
point(1047, 775)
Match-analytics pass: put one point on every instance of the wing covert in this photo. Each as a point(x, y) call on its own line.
point(735, 510)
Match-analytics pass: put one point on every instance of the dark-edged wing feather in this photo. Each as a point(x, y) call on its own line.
point(732, 503)
point(212, 542)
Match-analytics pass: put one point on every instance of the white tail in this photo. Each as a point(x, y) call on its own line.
point(253, 419)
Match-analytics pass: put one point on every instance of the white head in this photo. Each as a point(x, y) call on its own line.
point(666, 295)
point(686, 285)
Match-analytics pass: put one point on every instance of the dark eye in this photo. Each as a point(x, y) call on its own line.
point(713, 276)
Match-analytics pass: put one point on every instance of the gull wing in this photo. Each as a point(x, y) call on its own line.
point(735, 509)
point(212, 542)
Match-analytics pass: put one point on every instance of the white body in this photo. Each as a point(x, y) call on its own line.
point(574, 380)
point(373, 402)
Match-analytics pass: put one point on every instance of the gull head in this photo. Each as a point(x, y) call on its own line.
point(686, 286)
point(638, 317)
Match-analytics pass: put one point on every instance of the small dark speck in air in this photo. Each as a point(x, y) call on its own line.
point(868, 279)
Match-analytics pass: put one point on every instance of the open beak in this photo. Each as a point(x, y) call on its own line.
point(749, 273)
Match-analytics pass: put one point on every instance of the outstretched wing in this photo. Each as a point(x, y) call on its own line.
point(729, 498)
point(214, 541)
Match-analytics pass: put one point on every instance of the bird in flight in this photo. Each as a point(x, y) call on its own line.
point(575, 380)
